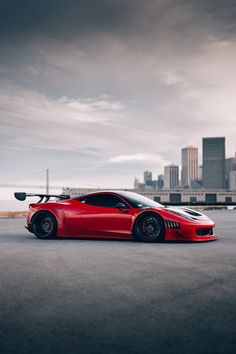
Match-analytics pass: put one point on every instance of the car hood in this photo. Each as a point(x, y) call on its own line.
point(187, 213)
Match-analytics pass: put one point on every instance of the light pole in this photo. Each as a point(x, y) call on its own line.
point(47, 181)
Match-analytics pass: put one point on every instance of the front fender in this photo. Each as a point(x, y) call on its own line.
point(142, 212)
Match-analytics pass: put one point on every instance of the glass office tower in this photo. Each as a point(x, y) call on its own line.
point(213, 172)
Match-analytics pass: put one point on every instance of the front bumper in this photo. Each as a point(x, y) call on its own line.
point(198, 232)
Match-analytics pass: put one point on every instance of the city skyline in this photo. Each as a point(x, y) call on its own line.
point(215, 169)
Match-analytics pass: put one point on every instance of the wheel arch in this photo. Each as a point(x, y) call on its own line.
point(147, 212)
point(38, 212)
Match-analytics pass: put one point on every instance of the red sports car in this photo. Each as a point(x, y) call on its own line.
point(115, 214)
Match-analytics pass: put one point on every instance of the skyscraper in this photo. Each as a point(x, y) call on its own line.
point(147, 176)
point(232, 180)
point(189, 170)
point(230, 165)
point(160, 182)
point(171, 176)
point(136, 183)
point(213, 173)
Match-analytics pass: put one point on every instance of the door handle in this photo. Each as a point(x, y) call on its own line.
point(124, 210)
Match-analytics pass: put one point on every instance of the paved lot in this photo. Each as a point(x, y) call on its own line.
point(81, 296)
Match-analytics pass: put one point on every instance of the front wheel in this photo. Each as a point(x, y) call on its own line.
point(44, 225)
point(149, 228)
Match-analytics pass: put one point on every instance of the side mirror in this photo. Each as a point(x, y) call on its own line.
point(121, 206)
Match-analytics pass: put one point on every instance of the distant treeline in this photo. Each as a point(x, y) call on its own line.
point(13, 214)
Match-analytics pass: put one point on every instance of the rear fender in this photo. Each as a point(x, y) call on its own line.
point(57, 213)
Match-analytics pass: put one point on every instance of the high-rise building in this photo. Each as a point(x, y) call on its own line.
point(230, 165)
point(232, 180)
point(189, 170)
point(147, 176)
point(213, 172)
point(136, 183)
point(200, 173)
point(160, 182)
point(171, 176)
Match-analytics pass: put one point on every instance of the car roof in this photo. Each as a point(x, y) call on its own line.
point(119, 192)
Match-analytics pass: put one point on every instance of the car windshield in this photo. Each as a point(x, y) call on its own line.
point(139, 201)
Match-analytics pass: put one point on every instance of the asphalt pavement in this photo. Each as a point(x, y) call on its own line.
point(103, 296)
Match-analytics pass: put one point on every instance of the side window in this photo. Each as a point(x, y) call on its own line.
point(104, 200)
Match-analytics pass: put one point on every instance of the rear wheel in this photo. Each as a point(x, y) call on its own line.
point(149, 228)
point(44, 225)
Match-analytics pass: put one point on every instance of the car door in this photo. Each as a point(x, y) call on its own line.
point(101, 216)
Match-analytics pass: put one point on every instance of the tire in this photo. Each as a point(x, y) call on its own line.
point(149, 228)
point(44, 225)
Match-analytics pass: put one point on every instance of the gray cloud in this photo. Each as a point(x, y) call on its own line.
point(25, 19)
point(53, 18)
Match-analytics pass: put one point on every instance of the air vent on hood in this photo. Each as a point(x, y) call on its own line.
point(192, 212)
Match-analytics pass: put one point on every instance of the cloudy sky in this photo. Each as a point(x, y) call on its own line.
point(100, 90)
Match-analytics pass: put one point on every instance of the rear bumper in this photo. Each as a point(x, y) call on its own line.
point(29, 228)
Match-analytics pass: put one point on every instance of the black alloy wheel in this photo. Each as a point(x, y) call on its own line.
point(44, 225)
point(150, 228)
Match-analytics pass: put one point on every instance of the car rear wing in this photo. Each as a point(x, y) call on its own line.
point(42, 197)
